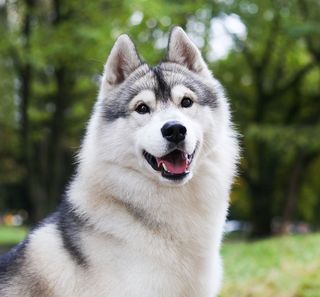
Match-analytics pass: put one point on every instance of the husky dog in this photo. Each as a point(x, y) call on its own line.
point(144, 214)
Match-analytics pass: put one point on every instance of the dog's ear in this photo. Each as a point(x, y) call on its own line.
point(183, 51)
point(122, 60)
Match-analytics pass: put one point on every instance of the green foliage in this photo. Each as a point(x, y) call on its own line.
point(273, 79)
point(286, 138)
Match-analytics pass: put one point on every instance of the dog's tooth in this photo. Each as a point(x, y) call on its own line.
point(165, 167)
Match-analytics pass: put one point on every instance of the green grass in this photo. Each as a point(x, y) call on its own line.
point(11, 235)
point(278, 267)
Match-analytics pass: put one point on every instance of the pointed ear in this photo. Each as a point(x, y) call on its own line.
point(183, 51)
point(122, 60)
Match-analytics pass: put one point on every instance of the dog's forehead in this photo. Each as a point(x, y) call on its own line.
point(160, 79)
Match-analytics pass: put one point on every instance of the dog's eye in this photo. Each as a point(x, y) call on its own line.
point(142, 108)
point(186, 102)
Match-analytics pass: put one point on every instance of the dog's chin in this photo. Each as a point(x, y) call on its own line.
point(175, 182)
point(174, 168)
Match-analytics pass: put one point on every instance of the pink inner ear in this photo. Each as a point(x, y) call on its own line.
point(122, 60)
point(189, 56)
point(184, 52)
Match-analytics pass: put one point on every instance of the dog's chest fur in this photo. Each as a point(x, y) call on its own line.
point(177, 256)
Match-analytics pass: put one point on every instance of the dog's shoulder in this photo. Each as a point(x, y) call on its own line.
point(26, 265)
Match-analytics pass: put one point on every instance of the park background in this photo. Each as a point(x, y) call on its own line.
point(267, 56)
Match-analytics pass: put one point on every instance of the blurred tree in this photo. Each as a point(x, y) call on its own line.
point(50, 63)
point(274, 81)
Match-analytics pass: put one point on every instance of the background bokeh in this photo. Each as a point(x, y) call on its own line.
point(267, 55)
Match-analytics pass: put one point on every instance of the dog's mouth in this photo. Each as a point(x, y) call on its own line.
point(174, 166)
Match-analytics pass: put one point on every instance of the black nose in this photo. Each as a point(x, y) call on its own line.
point(174, 132)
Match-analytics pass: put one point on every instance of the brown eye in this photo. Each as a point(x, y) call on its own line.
point(186, 102)
point(142, 108)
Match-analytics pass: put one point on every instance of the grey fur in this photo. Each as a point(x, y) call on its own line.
point(116, 105)
point(70, 224)
point(159, 79)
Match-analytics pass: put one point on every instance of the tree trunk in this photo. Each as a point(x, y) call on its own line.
point(292, 193)
point(55, 159)
point(64, 83)
point(261, 190)
point(300, 165)
point(25, 76)
point(261, 211)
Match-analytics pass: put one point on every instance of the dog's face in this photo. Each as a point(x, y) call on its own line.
point(160, 121)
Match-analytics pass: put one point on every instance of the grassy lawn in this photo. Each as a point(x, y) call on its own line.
point(278, 267)
point(11, 235)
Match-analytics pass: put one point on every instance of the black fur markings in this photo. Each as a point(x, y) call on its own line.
point(69, 225)
point(163, 90)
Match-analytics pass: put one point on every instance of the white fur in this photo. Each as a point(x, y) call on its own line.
point(181, 256)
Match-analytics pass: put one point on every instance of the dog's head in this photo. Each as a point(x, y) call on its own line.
point(159, 121)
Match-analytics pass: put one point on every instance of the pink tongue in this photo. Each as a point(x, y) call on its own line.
point(175, 162)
